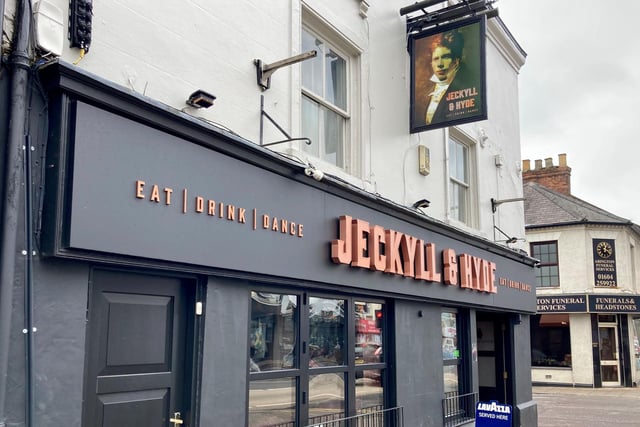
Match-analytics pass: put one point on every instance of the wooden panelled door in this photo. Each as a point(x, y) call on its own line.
point(138, 364)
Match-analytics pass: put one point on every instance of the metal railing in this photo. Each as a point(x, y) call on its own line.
point(458, 408)
point(392, 417)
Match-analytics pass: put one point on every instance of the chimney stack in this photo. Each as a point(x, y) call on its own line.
point(556, 178)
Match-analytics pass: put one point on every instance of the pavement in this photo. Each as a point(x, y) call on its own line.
point(587, 407)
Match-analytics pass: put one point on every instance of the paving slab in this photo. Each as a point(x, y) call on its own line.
point(587, 407)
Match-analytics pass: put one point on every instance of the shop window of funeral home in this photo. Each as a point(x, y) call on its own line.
point(305, 366)
point(326, 112)
point(550, 340)
point(461, 166)
point(547, 273)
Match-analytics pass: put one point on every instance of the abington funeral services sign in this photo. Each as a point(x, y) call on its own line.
point(588, 303)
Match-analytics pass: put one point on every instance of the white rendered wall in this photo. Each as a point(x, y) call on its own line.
point(575, 258)
point(581, 348)
point(167, 50)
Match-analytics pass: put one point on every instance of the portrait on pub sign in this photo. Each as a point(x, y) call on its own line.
point(448, 84)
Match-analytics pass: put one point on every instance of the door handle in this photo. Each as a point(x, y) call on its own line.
point(176, 420)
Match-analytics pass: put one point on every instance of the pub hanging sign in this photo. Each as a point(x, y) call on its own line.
point(448, 78)
point(604, 263)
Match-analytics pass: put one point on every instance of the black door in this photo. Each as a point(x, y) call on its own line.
point(494, 358)
point(138, 371)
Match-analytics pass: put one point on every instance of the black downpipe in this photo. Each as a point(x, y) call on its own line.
point(19, 64)
point(28, 330)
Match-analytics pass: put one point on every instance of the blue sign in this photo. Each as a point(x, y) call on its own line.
point(493, 414)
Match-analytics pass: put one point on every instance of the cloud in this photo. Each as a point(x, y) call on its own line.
point(579, 93)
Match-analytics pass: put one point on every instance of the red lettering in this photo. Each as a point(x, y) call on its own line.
point(341, 247)
point(450, 267)
point(376, 240)
point(466, 271)
point(408, 245)
point(477, 272)
point(434, 276)
point(392, 245)
point(360, 234)
point(420, 265)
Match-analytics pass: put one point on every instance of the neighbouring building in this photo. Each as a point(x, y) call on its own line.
point(588, 322)
point(245, 213)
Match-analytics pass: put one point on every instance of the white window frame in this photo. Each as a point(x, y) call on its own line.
point(469, 143)
point(352, 147)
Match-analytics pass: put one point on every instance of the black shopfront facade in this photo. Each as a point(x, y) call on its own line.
point(183, 273)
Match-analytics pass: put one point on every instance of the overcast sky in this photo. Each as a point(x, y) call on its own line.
point(580, 93)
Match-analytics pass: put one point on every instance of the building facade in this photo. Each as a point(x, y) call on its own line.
point(204, 224)
point(586, 329)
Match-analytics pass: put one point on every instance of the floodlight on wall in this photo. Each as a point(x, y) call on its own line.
point(422, 203)
point(200, 99)
point(264, 71)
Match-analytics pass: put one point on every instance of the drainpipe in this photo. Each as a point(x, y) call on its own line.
point(19, 63)
point(1, 16)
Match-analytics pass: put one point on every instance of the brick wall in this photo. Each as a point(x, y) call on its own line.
point(557, 178)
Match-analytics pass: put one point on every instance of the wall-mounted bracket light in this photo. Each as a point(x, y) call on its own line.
point(495, 203)
point(200, 99)
point(510, 239)
point(264, 71)
point(264, 114)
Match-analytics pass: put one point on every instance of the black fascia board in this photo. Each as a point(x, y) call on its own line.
point(60, 77)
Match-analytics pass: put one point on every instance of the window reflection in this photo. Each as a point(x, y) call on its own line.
point(273, 332)
point(283, 395)
point(326, 397)
point(272, 402)
point(369, 391)
point(449, 336)
point(452, 371)
point(450, 378)
point(368, 324)
point(326, 332)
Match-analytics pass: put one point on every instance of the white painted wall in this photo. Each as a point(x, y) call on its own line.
point(166, 50)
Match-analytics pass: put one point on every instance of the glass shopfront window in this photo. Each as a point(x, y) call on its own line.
point(326, 332)
point(303, 364)
point(451, 355)
point(272, 402)
point(458, 402)
point(550, 340)
point(369, 356)
point(326, 397)
point(273, 331)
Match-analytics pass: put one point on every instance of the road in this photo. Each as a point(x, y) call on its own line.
point(587, 407)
